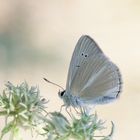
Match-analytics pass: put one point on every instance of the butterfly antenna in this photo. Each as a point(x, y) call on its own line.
point(53, 83)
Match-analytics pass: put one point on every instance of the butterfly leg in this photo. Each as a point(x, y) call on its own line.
point(69, 113)
point(84, 110)
point(81, 110)
point(62, 107)
point(76, 110)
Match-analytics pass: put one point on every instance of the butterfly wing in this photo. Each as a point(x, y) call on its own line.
point(91, 74)
point(104, 83)
point(85, 46)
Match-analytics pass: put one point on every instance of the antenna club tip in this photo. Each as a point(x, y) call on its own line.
point(45, 79)
point(53, 83)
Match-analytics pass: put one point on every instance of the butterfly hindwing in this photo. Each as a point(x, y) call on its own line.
point(106, 82)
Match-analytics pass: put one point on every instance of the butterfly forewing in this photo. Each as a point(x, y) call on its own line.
point(85, 48)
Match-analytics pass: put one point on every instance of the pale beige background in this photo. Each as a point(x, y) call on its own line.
point(37, 39)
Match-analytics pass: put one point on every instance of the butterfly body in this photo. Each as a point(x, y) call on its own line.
point(92, 77)
point(75, 101)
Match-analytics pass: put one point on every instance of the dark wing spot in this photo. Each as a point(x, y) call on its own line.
point(86, 55)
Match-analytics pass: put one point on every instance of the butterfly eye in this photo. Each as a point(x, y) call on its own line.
point(62, 93)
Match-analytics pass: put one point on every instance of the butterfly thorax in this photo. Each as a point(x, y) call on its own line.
point(69, 99)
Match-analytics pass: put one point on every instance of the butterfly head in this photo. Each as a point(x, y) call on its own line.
point(65, 97)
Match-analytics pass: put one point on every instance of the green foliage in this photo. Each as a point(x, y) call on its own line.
point(23, 107)
point(82, 127)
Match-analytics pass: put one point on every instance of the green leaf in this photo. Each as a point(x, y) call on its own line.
point(7, 129)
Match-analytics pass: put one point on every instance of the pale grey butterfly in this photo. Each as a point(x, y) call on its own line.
point(92, 77)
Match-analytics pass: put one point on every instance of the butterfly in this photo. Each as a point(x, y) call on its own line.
point(92, 77)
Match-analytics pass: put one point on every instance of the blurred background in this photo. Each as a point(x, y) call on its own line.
point(37, 39)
